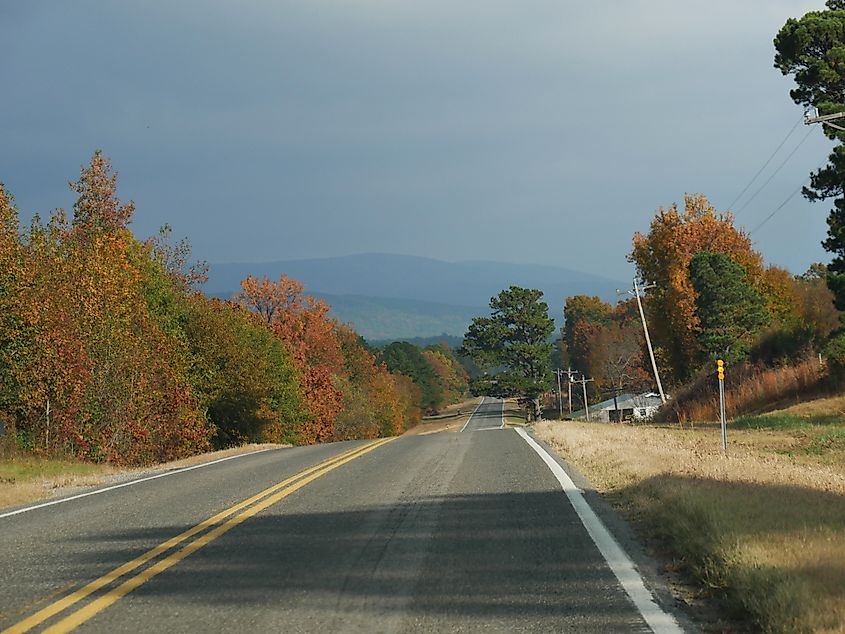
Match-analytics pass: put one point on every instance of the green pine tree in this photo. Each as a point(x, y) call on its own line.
point(514, 341)
point(730, 310)
point(812, 49)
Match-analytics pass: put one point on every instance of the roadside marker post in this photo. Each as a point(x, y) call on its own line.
point(720, 371)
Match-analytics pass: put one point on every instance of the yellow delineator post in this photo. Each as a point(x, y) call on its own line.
point(720, 371)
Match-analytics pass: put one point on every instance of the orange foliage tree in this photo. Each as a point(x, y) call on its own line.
point(662, 256)
point(449, 371)
point(108, 352)
point(605, 343)
point(101, 379)
point(14, 341)
point(373, 403)
point(302, 322)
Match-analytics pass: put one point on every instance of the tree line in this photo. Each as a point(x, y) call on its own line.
point(710, 296)
point(713, 297)
point(108, 350)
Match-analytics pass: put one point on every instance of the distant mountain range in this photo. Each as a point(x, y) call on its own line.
point(402, 297)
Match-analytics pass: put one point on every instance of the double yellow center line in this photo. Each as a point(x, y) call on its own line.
point(219, 524)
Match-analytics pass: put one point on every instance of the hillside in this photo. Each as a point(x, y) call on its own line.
point(470, 283)
point(399, 297)
point(389, 319)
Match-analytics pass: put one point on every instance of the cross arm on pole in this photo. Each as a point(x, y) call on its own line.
point(826, 119)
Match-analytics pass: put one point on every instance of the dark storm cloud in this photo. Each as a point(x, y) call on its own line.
point(529, 131)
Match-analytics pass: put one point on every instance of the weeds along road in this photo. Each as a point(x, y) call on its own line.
point(464, 531)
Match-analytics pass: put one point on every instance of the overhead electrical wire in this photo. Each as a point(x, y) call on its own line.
point(773, 174)
point(766, 164)
point(783, 204)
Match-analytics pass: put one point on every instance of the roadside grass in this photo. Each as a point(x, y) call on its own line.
point(749, 389)
point(785, 421)
point(760, 527)
point(29, 477)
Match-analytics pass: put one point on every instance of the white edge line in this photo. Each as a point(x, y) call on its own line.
point(658, 620)
point(503, 414)
point(130, 483)
point(471, 415)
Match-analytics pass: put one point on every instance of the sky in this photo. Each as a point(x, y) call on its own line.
point(531, 131)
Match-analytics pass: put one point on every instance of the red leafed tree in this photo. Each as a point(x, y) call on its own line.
point(302, 322)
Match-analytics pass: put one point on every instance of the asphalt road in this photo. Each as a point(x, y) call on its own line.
point(447, 532)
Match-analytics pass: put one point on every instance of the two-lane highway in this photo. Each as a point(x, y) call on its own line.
point(464, 532)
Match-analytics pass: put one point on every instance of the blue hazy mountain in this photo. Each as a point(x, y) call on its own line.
point(398, 296)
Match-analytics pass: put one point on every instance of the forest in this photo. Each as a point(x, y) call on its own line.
point(712, 297)
point(110, 352)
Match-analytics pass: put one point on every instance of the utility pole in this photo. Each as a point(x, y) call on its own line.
point(636, 293)
point(559, 397)
point(720, 372)
point(826, 119)
point(569, 374)
point(583, 381)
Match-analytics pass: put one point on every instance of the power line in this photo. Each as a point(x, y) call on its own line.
point(773, 174)
point(766, 164)
point(783, 204)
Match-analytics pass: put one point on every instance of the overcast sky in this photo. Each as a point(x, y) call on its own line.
point(526, 131)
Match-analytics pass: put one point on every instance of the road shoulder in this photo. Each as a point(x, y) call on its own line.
point(657, 580)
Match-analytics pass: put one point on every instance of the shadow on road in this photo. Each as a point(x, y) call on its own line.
point(508, 559)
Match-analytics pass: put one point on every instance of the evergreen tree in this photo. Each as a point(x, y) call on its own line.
point(812, 49)
point(515, 341)
point(730, 310)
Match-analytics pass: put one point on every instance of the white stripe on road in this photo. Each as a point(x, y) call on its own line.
point(659, 621)
point(471, 415)
point(130, 483)
point(503, 414)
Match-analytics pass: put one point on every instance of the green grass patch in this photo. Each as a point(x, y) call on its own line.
point(786, 421)
point(28, 468)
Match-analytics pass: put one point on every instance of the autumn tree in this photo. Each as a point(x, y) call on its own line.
point(302, 322)
point(175, 260)
point(515, 341)
point(451, 375)
point(606, 343)
point(373, 401)
point(108, 351)
point(14, 335)
point(243, 374)
point(811, 49)
point(815, 302)
point(102, 379)
point(662, 256)
point(583, 316)
point(98, 209)
point(407, 359)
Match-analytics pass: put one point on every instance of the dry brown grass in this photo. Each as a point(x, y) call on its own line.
point(26, 478)
point(759, 526)
point(748, 390)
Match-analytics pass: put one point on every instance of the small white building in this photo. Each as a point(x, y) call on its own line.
point(638, 407)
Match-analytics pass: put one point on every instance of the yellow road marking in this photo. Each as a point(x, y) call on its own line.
point(309, 474)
